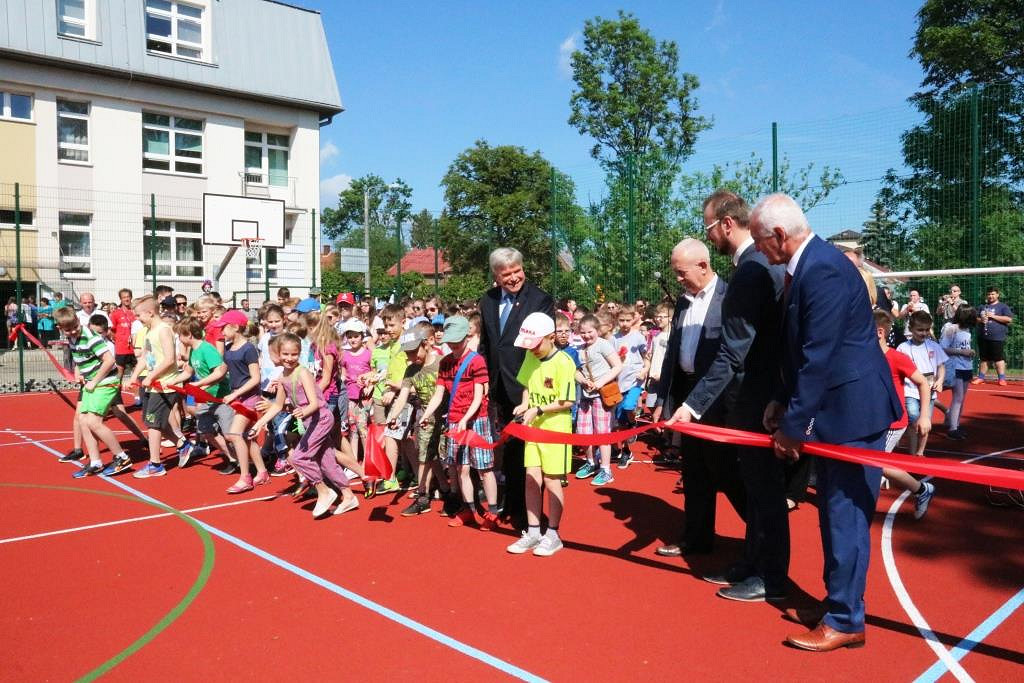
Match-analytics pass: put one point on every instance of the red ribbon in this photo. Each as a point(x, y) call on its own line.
point(203, 396)
point(966, 472)
point(20, 327)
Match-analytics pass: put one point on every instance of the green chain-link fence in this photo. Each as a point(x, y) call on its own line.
point(940, 187)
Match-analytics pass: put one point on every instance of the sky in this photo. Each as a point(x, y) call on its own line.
point(422, 81)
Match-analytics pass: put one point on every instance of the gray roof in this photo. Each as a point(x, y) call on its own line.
point(845, 235)
point(260, 48)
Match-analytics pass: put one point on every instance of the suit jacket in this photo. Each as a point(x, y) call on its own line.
point(744, 373)
point(503, 358)
point(836, 384)
point(672, 385)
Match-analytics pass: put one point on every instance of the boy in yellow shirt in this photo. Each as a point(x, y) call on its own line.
point(548, 377)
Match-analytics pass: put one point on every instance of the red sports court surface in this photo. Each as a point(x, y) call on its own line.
point(257, 589)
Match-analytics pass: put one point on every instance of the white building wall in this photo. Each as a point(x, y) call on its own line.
point(117, 188)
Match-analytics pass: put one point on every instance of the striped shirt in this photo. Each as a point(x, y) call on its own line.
point(87, 353)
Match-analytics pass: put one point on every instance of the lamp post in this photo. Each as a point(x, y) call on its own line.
point(366, 239)
point(398, 242)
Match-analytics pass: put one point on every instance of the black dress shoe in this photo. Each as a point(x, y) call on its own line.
point(731, 576)
point(750, 589)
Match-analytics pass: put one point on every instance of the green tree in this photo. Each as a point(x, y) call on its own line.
point(496, 196)
point(886, 238)
point(422, 231)
point(388, 201)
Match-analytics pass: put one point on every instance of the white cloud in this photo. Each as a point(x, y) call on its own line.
point(328, 152)
point(717, 16)
point(330, 187)
point(565, 51)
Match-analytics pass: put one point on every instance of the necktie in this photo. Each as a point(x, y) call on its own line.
point(506, 308)
point(787, 281)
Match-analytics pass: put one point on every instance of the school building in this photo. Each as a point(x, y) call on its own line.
point(112, 111)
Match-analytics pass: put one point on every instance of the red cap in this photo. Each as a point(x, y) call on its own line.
point(232, 317)
point(346, 298)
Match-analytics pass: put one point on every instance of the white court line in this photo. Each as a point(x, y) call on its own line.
point(54, 431)
point(129, 520)
point(28, 443)
point(889, 560)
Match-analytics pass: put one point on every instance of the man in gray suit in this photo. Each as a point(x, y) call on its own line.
point(745, 371)
point(693, 345)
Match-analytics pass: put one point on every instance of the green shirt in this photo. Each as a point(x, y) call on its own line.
point(380, 357)
point(87, 353)
point(549, 380)
point(421, 380)
point(204, 359)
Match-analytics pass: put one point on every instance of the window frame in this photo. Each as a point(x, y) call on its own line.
point(174, 16)
point(172, 234)
point(171, 158)
point(74, 145)
point(62, 227)
point(264, 145)
point(88, 24)
point(5, 106)
point(260, 268)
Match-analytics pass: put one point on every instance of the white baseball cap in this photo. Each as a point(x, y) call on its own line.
point(353, 325)
point(534, 329)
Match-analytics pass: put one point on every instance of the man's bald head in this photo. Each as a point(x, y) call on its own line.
point(691, 262)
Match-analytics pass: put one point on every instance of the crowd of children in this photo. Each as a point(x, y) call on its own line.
point(307, 389)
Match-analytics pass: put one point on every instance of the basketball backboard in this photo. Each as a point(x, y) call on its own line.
point(229, 219)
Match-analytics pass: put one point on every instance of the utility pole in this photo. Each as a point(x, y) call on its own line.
point(366, 238)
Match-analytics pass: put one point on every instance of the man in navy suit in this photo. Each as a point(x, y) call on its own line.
point(502, 310)
point(836, 388)
point(693, 345)
point(745, 373)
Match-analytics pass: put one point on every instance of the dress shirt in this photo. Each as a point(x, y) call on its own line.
point(693, 322)
point(791, 266)
point(746, 244)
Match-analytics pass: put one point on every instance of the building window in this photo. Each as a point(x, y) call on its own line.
point(266, 158)
point(179, 248)
point(15, 106)
point(175, 28)
point(7, 217)
point(75, 243)
point(254, 265)
point(172, 143)
point(76, 18)
point(72, 130)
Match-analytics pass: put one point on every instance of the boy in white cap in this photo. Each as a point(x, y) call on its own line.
point(548, 377)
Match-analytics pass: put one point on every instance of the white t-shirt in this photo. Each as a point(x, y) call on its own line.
point(632, 348)
point(927, 356)
point(83, 317)
point(658, 347)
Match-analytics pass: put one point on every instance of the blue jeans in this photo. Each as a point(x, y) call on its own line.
point(914, 409)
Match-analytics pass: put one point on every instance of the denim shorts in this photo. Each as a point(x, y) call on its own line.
point(914, 409)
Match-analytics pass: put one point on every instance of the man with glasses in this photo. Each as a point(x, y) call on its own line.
point(744, 371)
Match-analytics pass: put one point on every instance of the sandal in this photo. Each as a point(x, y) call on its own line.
point(242, 485)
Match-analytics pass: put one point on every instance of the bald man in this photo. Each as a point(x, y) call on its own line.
point(693, 343)
point(88, 302)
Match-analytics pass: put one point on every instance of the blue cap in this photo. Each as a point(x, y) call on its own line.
point(438, 320)
point(307, 305)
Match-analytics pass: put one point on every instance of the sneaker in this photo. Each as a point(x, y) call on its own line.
point(117, 465)
point(564, 481)
point(922, 500)
point(388, 485)
point(88, 471)
point(489, 522)
point(228, 468)
point(282, 468)
point(188, 425)
point(73, 455)
point(956, 435)
point(548, 546)
point(625, 458)
point(526, 542)
point(463, 517)
point(978, 380)
point(419, 506)
point(185, 453)
point(603, 477)
point(152, 469)
point(1001, 382)
point(588, 469)
point(410, 485)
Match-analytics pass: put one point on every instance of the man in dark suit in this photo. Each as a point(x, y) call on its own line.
point(502, 309)
point(745, 372)
point(836, 388)
point(693, 345)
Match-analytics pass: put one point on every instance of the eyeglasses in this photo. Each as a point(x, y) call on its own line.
point(709, 228)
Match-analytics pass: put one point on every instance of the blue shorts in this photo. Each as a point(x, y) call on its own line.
point(914, 409)
point(629, 400)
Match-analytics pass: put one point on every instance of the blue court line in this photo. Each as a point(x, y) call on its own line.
point(974, 638)
point(386, 612)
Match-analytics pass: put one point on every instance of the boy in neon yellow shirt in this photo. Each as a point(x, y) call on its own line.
point(549, 380)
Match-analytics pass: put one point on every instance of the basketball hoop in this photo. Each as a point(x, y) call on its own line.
point(252, 246)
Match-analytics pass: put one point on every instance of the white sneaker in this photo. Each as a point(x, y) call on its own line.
point(324, 504)
point(525, 542)
point(548, 546)
point(351, 504)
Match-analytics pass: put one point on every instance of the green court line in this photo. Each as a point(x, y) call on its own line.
point(200, 582)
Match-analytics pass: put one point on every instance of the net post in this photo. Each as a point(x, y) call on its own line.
point(20, 339)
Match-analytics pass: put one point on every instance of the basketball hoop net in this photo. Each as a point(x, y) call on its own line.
point(252, 246)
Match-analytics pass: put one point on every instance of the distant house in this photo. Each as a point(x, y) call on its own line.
point(422, 261)
point(847, 238)
point(328, 258)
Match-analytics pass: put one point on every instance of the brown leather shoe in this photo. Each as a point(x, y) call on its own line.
point(823, 638)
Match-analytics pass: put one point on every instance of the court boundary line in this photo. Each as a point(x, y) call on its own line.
point(130, 520)
point(947, 659)
point(371, 605)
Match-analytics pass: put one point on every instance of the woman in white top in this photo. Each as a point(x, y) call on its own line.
point(956, 342)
